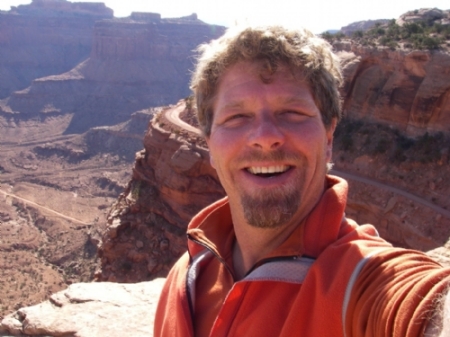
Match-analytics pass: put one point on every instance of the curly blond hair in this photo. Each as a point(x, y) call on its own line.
point(300, 50)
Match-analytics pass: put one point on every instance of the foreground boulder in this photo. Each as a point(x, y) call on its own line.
point(90, 310)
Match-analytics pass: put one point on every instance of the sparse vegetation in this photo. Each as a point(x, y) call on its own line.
point(376, 139)
point(416, 35)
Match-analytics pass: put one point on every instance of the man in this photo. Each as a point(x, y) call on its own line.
point(277, 257)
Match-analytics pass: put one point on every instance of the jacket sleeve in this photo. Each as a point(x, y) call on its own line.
point(395, 294)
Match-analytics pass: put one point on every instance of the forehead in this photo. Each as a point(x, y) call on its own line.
point(263, 70)
point(247, 79)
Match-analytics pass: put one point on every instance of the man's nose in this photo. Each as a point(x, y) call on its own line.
point(266, 134)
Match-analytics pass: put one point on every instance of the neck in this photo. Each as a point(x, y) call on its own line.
point(253, 244)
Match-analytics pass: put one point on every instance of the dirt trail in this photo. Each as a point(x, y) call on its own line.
point(29, 202)
point(173, 116)
point(408, 195)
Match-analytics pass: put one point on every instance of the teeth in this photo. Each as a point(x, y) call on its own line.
point(268, 169)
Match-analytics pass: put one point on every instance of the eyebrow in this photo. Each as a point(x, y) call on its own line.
point(233, 105)
point(289, 100)
point(294, 100)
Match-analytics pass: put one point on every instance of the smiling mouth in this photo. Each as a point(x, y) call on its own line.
point(268, 171)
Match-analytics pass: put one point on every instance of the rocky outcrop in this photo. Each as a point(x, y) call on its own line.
point(57, 8)
point(362, 26)
point(44, 38)
point(172, 180)
point(407, 90)
point(90, 310)
point(135, 63)
point(425, 14)
point(123, 139)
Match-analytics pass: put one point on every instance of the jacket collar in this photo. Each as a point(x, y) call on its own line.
point(213, 227)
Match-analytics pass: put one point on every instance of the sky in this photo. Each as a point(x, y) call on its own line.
point(316, 15)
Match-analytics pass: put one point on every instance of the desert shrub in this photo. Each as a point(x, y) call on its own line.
point(358, 34)
point(419, 35)
point(327, 36)
point(428, 147)
point(347, 142)
point(382, 146)
point(411, 28)
point(402, 142)
point(431, 42)
point(345, 132)
point(330, 37)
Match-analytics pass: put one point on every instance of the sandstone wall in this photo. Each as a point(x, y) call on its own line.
point(407, 90)
point(133, 65)
point(38, 40)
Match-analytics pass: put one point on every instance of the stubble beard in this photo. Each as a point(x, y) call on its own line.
point(271, 210)
point(275, 207)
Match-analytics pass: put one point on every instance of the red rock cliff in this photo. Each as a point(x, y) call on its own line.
point(409, 90)
point(172, 180)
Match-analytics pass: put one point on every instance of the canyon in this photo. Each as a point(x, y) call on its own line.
point(120, 65)
point(101, 157)
point(77, 85)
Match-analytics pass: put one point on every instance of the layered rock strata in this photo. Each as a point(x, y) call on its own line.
point(45, 38)
point(172, 180)
point(134, 63)
point(408, 90)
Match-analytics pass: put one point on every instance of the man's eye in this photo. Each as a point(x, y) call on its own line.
point(235, 117)
point(293, 114)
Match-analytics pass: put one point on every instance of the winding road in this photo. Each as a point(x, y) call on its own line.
point(173, 116)
point(408, 195)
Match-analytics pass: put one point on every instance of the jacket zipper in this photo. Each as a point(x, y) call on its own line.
point(221, 260)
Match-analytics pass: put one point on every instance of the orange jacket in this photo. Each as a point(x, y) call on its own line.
point(331, 277)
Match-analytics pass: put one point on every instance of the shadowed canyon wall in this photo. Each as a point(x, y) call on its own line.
point(44, 38)
point(134, 63)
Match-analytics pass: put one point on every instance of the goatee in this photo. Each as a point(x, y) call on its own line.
point(271, 210)
point(277, 206)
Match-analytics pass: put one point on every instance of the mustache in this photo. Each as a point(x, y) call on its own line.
point(274, 156)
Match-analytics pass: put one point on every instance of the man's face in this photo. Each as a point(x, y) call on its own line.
point(268, 145)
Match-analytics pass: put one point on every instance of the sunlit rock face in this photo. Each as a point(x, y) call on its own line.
point(409, 90)
point(146, 231)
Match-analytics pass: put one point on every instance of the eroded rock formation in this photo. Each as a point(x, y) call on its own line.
point(44, 38)
point(172, 180)
point(407, 90)
point(134, 63)
point(427, 14)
